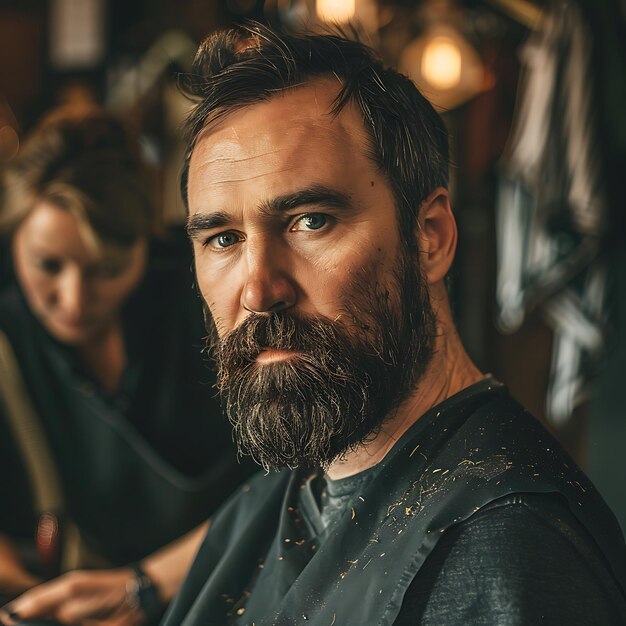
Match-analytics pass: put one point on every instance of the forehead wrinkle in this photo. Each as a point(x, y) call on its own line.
point(218, 169)
point(227, 181)
point(239, 159)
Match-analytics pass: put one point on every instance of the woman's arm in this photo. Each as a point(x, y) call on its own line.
point(101, 596)
point(168, 566)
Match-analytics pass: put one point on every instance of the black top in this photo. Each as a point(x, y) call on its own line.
point(521, 560)
point(141, 466)
point(475, 516)
point(496, 566)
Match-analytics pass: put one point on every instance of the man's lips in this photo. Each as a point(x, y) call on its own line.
point(271, 355)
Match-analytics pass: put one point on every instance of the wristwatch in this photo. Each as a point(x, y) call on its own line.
point(142, 594)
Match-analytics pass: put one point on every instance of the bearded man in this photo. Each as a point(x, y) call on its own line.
point(410, 487)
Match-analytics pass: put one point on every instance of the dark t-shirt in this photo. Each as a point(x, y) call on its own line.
point(476, 516)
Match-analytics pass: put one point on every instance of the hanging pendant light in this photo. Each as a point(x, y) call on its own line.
point(335, 11)
point(441, 62)
point(361, 14)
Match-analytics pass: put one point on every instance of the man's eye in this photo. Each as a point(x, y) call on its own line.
point(311, 221)
point(223, 240)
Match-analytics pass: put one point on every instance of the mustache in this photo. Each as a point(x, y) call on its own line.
point(281, 330)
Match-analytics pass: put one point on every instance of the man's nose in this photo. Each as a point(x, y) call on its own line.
point(269, 286)
point(71, 293)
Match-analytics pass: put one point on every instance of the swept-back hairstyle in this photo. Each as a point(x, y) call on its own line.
point(85, 161)
point(249, 64)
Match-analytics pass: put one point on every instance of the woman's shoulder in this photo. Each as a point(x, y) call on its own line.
point(22, 334)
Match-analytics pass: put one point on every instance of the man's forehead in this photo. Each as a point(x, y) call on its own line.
point(292, 120)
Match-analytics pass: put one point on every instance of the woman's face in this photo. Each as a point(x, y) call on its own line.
point(74, 291)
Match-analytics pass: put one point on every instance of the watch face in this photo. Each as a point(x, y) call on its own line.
point(142, 595)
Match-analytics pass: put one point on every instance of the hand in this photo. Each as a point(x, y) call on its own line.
point(79, 598)
point(16, 582)
point(14, 578)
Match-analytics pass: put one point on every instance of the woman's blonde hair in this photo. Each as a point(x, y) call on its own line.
point(86, 162)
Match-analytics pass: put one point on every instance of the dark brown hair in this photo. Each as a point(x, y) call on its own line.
point(249, 64)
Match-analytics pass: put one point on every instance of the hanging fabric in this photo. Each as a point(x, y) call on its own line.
point(551, 207)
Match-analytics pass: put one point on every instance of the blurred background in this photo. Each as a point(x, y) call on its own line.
point(534, 96)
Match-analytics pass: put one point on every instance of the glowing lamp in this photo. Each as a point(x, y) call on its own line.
point(444, 66)
point(441, 63)
point(336, 11)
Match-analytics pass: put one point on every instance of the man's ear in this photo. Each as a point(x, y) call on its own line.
point(437, 235)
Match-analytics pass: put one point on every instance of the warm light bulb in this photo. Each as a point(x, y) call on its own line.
point(335, 10)
point(441, 63)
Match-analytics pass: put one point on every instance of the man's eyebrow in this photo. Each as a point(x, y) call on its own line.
point(315, 194)
point(205, 221)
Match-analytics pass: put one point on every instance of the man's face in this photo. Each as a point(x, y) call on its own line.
point(321, 318)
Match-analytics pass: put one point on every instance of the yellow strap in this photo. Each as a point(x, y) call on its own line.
point(28, 433)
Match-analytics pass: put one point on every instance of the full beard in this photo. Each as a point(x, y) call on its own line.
point(345, 378)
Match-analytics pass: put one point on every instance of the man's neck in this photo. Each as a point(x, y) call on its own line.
point(449, 372)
